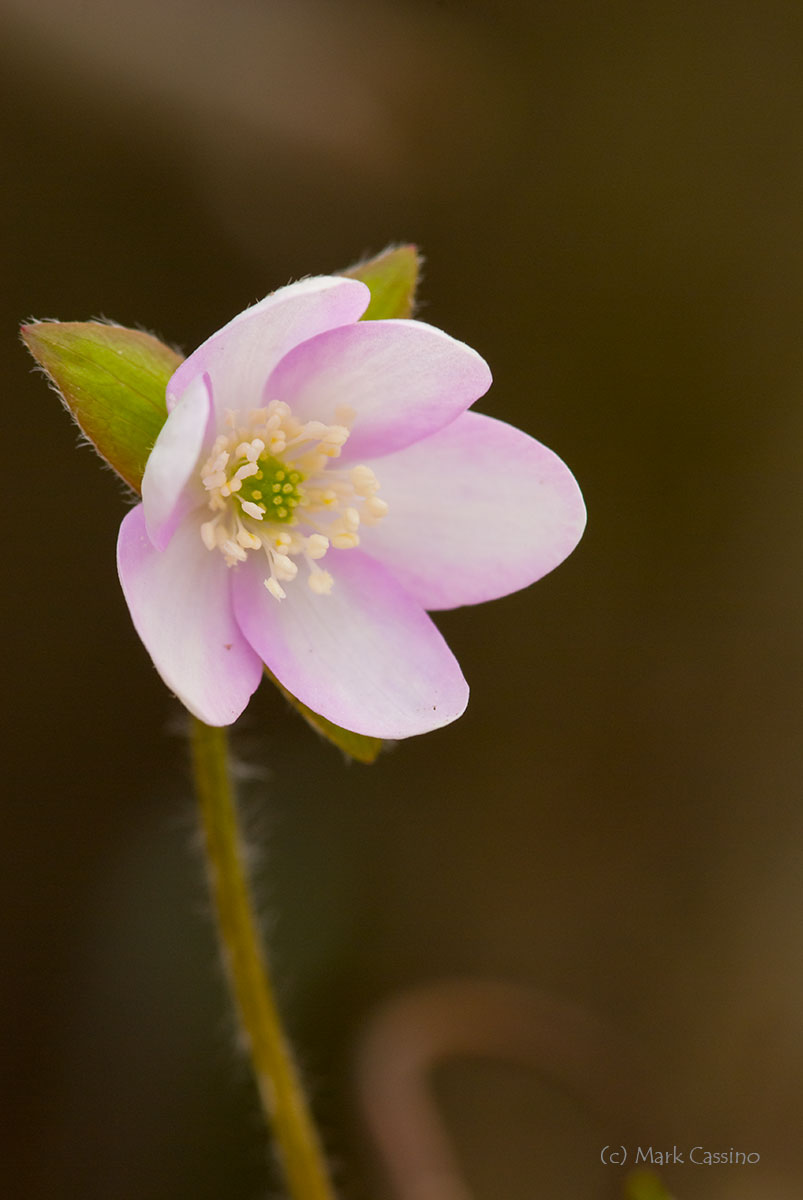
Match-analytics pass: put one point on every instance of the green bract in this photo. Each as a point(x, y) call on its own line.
point(393, 278)
point(355, 745)
point(113, 381)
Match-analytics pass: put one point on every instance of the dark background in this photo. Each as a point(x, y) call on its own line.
point(610, 198)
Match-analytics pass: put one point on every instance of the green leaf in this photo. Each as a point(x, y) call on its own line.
point(392, 277)
point(645, 1185)
point(112, 380)
point(356, 745)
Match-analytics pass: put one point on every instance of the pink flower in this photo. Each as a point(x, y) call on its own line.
point(317, 486)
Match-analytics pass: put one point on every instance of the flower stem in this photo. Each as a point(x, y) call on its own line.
point(282, 1098)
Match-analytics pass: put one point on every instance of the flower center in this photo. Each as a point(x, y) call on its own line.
point(271, 487)
point(274, 488)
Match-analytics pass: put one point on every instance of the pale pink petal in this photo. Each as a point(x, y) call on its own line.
point(366, 656)
point(241, 355)
point(171, 485)
point(476, 511)
point(402, 380)
point(181, 608)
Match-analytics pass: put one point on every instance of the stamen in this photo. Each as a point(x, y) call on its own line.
point(232, 551)
point(248, 540)
point(374, 509)
point(314, 429)
point(246, 470)
point(208, 533)
point(275, 588)
point(288, 509)
point(320, 582)
point(364, 481)
point(285, 567)
point(214, 480)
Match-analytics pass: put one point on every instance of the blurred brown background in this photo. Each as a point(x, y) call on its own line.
point(610, 197)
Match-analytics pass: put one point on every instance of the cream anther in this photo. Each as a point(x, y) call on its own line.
point(314, 429)
point(208, 533)
point(246, 471)
point(214, 480)
point(364, 481)
point(316, 545)
point(253, 510)
point(232, 551)
point(320, 582)
point(248, 540)
point(285, 567)
point(374, 509)
point(275, 588)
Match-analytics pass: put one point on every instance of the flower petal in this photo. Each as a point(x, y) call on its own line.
point(166, 496)
point(366, 656)
point(241, 355)
point(181, 608)
point(476, 511)
point(402, 379)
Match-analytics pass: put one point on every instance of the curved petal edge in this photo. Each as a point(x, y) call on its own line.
point(365, 656)
point(476, 511)
point(181, 608)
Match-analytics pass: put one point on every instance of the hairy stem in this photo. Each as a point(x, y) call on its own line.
point(282, 1097)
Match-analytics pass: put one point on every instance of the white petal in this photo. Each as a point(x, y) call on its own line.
point(181, 608)
point(476, 511)
point(168, 488)
point(365, 656)
point(241, 355)
point(402, 379)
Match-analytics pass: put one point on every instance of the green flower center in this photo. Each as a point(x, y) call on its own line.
point(275, 488)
